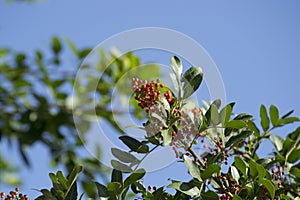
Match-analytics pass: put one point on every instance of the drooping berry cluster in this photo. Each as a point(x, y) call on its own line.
point(13, 195)
point(278, 175)
point(147, 94)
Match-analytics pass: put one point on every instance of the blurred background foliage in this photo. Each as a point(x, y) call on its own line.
point(35, 104)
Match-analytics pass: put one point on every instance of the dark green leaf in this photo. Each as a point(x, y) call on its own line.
point(192, 79)
point(192, 167)
point(287, 114)
point(132, 143)
point(210, 195)
point(143, 149)
point(210, 170)
point(270, 187)
point(115, 187)
point(237, 138)
point(252, 167)
point(274, 115)
point(225, 114)
point(186, 188)
point(120, 166)
point(294, 156)
point(264, 119)
point(295, 171)
point(124, 156)
point(138, 187)
point(288, 120)
point(243, 116)
point(72, 193)
point(116, 176)
point(236, 197)
point(217, 103)
point(237, 124)
point(261, 171)
point(102, 190)
point(253, 127)
point(74, 174)
point(136, 175)
point(240, 165)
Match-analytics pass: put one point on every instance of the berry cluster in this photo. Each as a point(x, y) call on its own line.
point(13, 195)
point(278, 175)
point(147, 94)
point(231, 186)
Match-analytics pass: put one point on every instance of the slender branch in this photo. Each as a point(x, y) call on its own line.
point(143, 158)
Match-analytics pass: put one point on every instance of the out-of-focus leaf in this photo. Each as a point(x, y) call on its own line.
point(56, 45)
point(277, 142)
point(102, 190)
point(210, 195)
point(294, 156)
point(167, 137)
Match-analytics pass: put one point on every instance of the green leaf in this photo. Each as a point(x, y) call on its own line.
point(132, 143)
point(124, 156)
point(192, 79)
point(167, 137)
point(225, 114)
point(277, 142)
point(143, 149)
point(252, 167)
point(176, 65)
point(116, 176)
point(210, 195)
point(264, 119)
point(288, 120)
point(56, 45)
point(210, 170)
point(102, 190)
point(192, 167)
point(274, 115)
point(261, 171)
point(236, 197)
point(237, 124)
point(136, 175)
point(270, 187)
point(241, 165)
point(237, 138)
point(62, 180)
point(234, 173)
point(120, 166)
point(214, 116)
point(295, 171)
point(253, 127)
point(115, 187)
point(186, 188)
point(294, 156)
point(287, 114)
point(243, 116)
point(74, 174)
point(72, 193)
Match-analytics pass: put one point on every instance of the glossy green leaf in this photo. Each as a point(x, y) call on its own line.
point(270, 187)
point(192, 167)
point(186, 188)
point(252, 169)
point(237, 124)
point(102, 190)
point(264, 119)
point(116, 176)
point(294, 156)
point(287, 120)
point(167, 137)
point(134, 176)
point(261, 171)
point(74, 174)
point(253, 127)
point(225, 114)
point(214, 114)
point(132, 143)
point(192, 79)
point(295, 171)
point(237, 138)
point(243, 117)
point(240, 165)
point(210, 170)
point(274, 115)
point(124, 156)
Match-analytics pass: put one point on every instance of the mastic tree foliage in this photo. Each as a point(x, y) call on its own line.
point(230, 167)
point(36, 106)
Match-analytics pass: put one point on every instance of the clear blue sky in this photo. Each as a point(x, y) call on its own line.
point(255, 44)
